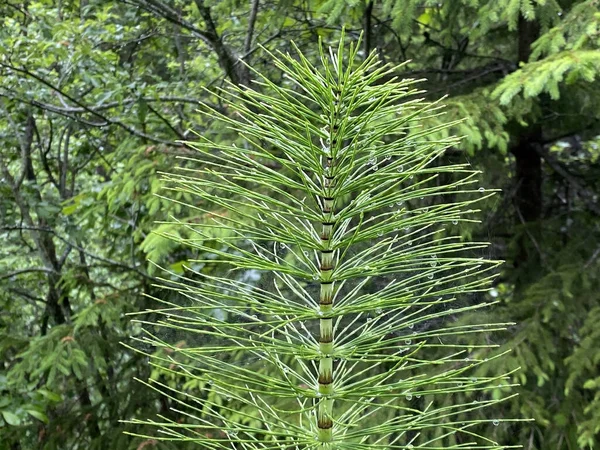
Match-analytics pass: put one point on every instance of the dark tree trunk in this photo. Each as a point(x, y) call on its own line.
point(528, 198)
point(528, 31)
point(367, 28)
point(528, 168)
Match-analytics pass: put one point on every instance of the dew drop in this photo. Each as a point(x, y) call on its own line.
point(379, 311)
point(433, 263)
point(418, 396)
point(496, 422)
point(372, 160)
point(400, 168)
point(407, 342)
point(481, 189)
point(409, 243)
point(494, 293)
point(380, 234)
point(375, 167)
point(409, 397)
point(254, 316)
point(411, 325)
point(306, 253)
point(455, 222)
point(430, 276)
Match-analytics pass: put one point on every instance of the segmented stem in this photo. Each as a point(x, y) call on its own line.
point(326, 388)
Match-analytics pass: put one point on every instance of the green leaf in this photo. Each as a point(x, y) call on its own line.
point(142, 109)
point(50, 395)
point(38, 415)
point(68, 210)
point(11, 418)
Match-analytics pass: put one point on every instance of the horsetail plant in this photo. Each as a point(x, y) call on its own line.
point(335, 325)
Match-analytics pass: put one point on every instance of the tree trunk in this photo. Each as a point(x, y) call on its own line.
point(367, 46)
point(528, 168)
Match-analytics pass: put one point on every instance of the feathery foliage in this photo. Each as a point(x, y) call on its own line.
point(317, 201)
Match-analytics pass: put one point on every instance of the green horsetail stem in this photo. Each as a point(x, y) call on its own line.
point(325, 408)
point(326, 389)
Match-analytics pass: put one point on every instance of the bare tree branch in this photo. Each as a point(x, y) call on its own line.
point(22, 271)
point(251, 25)
point(79, 248)
point(583, 191)
point(105, 120)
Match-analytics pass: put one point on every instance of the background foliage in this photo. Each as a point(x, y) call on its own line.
point(95, 95)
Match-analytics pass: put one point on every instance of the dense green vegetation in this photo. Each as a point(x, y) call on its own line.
point(96, 97)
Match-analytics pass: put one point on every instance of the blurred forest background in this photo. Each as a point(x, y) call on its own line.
point(95, 96)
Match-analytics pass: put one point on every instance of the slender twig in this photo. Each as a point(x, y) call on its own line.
point(251, 24)
point(79, 248)
point(530, 235)
point(30, 270)
point(105, 120)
